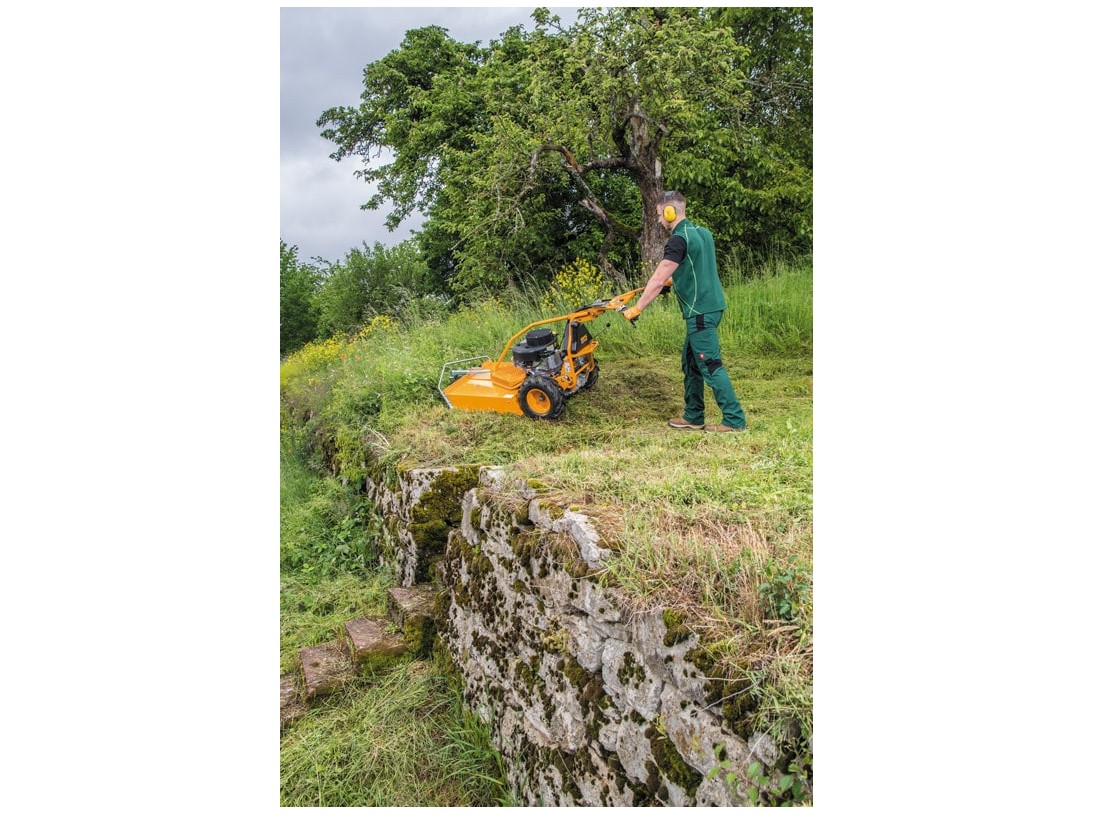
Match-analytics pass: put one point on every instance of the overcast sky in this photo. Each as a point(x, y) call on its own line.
point(323, 54)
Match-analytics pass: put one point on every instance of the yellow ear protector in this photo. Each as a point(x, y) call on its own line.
point(670, 213)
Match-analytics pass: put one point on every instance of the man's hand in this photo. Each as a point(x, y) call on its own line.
point(632, 313)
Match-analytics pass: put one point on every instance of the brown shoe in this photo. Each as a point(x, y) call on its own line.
point(721, 428)
point(683, 424)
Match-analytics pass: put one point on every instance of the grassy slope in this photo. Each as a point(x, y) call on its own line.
point(717, 526)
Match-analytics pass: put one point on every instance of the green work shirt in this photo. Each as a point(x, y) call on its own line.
point(695, 282)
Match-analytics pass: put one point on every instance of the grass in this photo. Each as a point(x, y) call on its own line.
point(313, 609)
point(716, 527)
point(400, 737)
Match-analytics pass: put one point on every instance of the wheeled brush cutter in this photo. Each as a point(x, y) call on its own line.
point(542, 374)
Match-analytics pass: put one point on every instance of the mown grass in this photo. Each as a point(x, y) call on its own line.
point(397, 737)
point(716, 526)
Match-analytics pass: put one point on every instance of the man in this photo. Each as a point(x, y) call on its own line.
point(692, 270)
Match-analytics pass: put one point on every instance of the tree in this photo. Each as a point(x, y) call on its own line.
point(425, 102)
point(555, 137)
point(773, 209)
point(418, 104)
point(370, 282)
point(299, 316)
point(779, 70)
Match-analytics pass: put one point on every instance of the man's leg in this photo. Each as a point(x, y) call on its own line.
point(704, 344)
point(694, 406)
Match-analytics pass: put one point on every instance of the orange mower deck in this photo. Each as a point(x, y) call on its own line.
point(548, 372)
point(477, 390)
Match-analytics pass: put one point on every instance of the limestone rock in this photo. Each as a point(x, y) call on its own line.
point(580, 529)
point(370, 643)
point(588, 703)
point(628, 679)
point(326, 668)
point(292, 707)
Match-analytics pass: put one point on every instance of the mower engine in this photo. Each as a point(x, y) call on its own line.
point(539, 353)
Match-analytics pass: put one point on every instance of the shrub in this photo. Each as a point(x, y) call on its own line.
point(324, 526)
point(576, 284)
point(307, 375)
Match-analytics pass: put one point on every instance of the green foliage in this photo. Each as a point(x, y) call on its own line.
point(779, 66)
point(544, 146)
point(324, 526)
point(372, 282)
point(787, 590)
point(405, 739)
point(299, 315)
point(758, 199)
point(419, 100)
point(307, 377)
point(791, 788)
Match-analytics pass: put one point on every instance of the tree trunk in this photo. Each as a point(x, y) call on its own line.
point(652, 240)
point(643, 147)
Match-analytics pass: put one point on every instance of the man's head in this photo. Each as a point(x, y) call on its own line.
point(671, 204)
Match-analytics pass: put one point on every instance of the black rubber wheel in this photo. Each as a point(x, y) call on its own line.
point(592, 376)
point(541, 398)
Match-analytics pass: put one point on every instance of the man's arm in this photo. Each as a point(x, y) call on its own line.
point(661, 275)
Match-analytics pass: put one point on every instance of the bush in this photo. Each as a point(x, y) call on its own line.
point(577, 284)
point(299, 315)
point(372, 282)
point(325, 527)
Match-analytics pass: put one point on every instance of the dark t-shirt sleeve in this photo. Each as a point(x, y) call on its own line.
point(676, 249)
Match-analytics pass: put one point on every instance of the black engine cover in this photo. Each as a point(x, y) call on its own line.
point(526, 356)
point(540, 338)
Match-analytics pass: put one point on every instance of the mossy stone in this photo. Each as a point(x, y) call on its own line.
point(728, 684)
point(671, 764)
point(631, 669)
point(676, 628)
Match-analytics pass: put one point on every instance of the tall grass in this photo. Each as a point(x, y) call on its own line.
point(768, 315)
point(403, 739)
point(392, 372)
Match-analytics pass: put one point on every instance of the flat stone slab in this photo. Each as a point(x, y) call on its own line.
point(405, 604)
point(369, 642)
point(411, 608)
point(326, 668)
point(292, 706)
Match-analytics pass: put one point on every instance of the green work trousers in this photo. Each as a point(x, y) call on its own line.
point(702, 363)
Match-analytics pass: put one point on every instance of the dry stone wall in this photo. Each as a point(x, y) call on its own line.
point(591, 702)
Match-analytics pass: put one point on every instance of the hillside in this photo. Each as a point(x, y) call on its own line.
point(715, 529)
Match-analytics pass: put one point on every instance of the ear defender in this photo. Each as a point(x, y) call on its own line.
point(670, 213)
